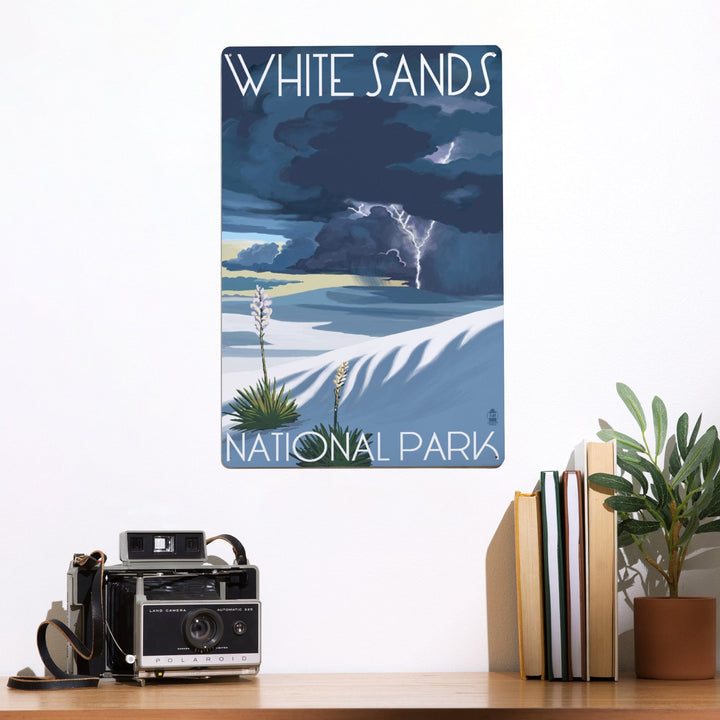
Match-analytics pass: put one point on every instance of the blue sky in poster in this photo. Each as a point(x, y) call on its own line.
point(375, 167)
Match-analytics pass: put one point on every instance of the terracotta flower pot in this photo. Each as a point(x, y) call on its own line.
point(675, 638)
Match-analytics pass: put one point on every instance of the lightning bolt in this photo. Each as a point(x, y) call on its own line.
point(407, 224)
point(362, 209)
point(396, 252)
point(446, 158)
point(404, 220)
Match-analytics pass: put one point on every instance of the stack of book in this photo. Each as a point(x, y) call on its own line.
point(566, 555)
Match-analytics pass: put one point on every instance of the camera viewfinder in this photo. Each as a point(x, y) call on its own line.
point(164, 543)
point(192, 544)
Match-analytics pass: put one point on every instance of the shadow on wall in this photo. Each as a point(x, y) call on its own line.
point(56, 643)
point(637, 579)
point(502, 632)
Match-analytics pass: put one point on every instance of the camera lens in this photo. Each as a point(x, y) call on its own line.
point(203, 629)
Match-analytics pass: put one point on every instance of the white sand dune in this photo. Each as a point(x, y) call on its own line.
point(438, 377)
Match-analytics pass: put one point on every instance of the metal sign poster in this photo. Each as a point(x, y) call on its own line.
point(362, 257)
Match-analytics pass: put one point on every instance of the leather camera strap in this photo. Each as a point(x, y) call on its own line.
point(237, 546)
point(89, 564)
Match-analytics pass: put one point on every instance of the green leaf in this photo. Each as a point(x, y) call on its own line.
point(624, 441)
point(713, 508)
point(674, 463)
point(666, 517)
point(623, 503)
point(694, 433)
point(632, 404)
point(640, 527)
point(630, 457)
point(712, 526)
point(696, 455)
point(706, 497)
point(632, 469)
point(659, 487)
point(693, 488)
point(712, 461)
point(681, 436)
point(675, 494)
point(350, 447)
point(660, 422)
point(716, 487)
point(624, 539)
point(684, 539)
point(712, 511)
point(695, 499)
point(614, 482)
point(262, 407)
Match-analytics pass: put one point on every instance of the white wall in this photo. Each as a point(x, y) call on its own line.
point(110, 361)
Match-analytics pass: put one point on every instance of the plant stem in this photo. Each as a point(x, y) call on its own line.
point(338, 382)
point(674, 566)
point(647, 448)
point(674, 572)
point(650, 561)
point(682, 560)
point(262, 354)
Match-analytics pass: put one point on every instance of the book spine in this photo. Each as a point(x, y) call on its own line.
point(602, 566)
point(554, 578)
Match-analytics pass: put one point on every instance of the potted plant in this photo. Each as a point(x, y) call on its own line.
point(671, 487)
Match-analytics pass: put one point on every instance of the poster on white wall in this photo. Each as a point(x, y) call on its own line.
point(362, 257)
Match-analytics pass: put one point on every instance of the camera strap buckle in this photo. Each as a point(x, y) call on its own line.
point(89, 562)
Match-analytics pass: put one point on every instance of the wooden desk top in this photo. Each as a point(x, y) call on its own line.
point(400, 696)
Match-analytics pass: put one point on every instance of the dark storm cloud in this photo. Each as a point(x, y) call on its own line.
point(360, 152)
point(370, 245)
point(292, 252)
point(246, 213)
point(293, 165)
point(258, 254)
point(444, 126)
point(264, 257)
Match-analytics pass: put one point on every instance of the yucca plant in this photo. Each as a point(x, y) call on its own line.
point(262, 407)
point(338, 382)
point(261, 310)
point(334, 445)
point(672, 486)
